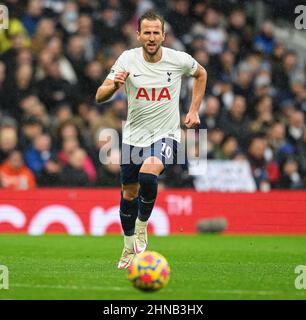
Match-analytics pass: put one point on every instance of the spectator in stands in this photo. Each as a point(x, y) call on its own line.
point(73, 174)
point(237, 23)
point(55, 47)
point(198, 9)
point(264, 41)
point(215, 137)
point(198, 42)
point(210, 116)
point(112, 116)
point(24, 77)
point(108, 174)
point(8, 137)
point(85, 118)
point(238, 27)
point(278, 143)
point(179, 19)
point(69, 17)
point(290, 175)
point(301, 154)
point(227, 64)
point(262, 84)
point(276, 58)
point(69, 129)
point(12, 41)
point(232, 44)
point(75, 53)
point(39, 112)
point(228, 148)
point(37, 155)
point(23, 85)
point(54, 89)
point(264, 115)
point(202, 56)
point(25, 57)
point(243, 83)
point(50, 175)
point(62, 114)
point(235, 121)
point(282, 77)
point(32, 15)
point(31, 128)
point(44, 60)
point(223, 90)
point(45, 30)
point(84, 114)
point(2, 87)
point(215, 34)
point(285, 109)
point(299, 91)
point(170, 41)
point(265, 173)
point(91, 80)
point(14, 174)
point(296, 126)
point(108, 25)
point(68, 147)
point(90, 39)
point(31, 107)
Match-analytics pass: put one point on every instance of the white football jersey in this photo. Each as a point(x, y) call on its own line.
point(153, 91)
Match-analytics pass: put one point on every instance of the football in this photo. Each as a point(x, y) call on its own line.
point(149, 271)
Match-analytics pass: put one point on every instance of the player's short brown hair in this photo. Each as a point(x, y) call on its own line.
point(151, 15)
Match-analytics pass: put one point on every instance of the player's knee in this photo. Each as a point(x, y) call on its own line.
point(130, 193)
point(152, 165)
point(148, 185)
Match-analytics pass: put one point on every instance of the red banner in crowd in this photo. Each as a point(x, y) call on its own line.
point(95, 211)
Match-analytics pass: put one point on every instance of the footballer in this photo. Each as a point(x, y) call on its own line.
point(152, 77)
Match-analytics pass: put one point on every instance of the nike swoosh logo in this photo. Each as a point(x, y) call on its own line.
point(136, 248)
point(136, 75)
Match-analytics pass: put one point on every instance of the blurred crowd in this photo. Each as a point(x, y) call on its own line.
point(56, 53)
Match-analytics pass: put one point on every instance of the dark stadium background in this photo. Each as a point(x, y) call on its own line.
point(54, 56)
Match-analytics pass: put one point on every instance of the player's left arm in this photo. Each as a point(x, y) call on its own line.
point(198, 90)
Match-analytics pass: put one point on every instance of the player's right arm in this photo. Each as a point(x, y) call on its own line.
point(109, 87)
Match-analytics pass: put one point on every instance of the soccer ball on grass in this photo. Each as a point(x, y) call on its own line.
point(149, 271)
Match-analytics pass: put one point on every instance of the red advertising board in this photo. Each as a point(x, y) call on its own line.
point(95, 211)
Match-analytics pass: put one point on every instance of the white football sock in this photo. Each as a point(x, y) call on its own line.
point(128, 241)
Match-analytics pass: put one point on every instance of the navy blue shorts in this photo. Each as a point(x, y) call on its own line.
point(133, 157)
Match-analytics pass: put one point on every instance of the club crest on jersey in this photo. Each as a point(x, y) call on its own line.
point(153, 94)
point(169, 75)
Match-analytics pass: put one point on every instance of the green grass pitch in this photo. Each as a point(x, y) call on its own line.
point(202, 267)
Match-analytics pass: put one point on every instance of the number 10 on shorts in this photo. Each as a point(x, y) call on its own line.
point(166, 150)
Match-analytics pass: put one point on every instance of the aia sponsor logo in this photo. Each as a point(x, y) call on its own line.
point(153, 94)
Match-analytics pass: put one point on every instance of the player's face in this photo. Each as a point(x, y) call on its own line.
point(151, 36)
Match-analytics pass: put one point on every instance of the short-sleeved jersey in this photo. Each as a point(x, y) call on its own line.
point(153, 91)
